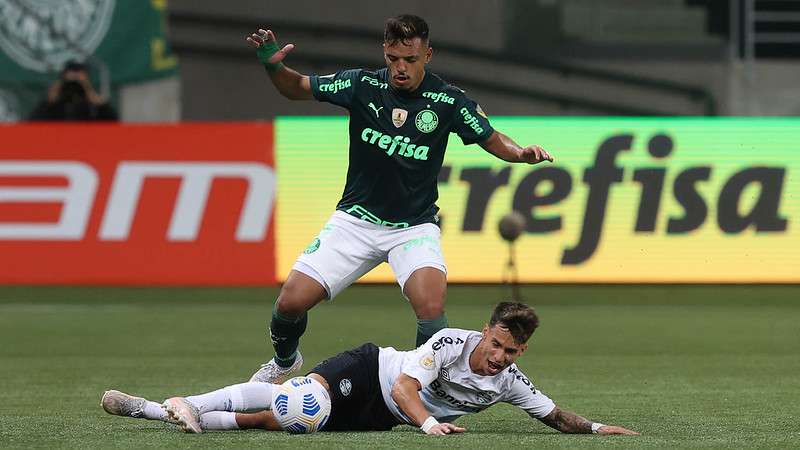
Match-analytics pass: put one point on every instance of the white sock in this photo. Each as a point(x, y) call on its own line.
point(240, 397)
point(154, 411)
point(218, 420)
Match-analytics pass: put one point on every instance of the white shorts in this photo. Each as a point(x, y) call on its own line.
point(348, 247)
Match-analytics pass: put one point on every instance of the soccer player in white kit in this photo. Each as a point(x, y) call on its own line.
point(457, 372)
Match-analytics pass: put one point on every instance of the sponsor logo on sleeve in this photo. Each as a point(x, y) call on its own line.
point(471, 121)
point(336, 86)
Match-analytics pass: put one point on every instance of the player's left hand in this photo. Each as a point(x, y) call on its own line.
point(533, 154)
point(610, 429)
point(441, 429)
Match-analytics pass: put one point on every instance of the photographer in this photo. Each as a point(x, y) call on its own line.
point(73, 98)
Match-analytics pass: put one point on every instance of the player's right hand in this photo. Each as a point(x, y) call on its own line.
point(262, 37)
point(441, 429)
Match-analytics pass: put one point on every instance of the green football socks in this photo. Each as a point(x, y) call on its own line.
point(285, 333)
point(427, 328)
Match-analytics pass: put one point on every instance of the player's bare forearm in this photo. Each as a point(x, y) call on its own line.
point(291, 84)
point(405, 392)
point(506, 149)
point(569, 422)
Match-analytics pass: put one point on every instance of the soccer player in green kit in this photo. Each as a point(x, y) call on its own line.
point(400, 120)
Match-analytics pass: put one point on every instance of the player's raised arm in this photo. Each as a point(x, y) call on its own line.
point(290, 83)
point(569, 422)
point(405, 392)
point(506, 149)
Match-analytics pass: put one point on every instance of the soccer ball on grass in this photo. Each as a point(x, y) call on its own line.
point(301, 405)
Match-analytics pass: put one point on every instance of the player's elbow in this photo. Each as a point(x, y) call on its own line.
point(397, 393)
point(400, 391)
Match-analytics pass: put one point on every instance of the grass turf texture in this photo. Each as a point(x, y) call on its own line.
point(687, 366)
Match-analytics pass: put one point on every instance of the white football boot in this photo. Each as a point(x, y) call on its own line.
point(121, 404)
point(271, 372)
point(184, 413)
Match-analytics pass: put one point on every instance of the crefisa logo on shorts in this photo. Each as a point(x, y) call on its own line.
point(345, 386)
point(35, 33)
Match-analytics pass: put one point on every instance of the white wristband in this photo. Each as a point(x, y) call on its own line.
point(596, 426)
point(429, 423)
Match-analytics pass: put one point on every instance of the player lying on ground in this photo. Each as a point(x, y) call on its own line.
point(456, 372)
point(400, 119)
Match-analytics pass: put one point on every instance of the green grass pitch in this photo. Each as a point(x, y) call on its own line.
point(687, 366)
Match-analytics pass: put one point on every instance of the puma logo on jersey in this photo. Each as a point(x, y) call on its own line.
point(377, 110)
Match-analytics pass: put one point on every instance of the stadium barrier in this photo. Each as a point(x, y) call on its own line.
point(137, 205)
point(628, 200)
point(671, 200)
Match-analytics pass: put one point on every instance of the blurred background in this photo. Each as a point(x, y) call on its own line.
point(187, 60)
point(692, 98)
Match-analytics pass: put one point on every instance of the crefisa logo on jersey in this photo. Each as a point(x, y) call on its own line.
point(41, 35)
point(9, 107)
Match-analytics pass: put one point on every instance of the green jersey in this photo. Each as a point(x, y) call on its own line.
point(397, 142)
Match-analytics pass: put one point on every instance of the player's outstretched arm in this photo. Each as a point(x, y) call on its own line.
point(569, 422)
point(290, 83)
point(506, 149)
point(405, 392)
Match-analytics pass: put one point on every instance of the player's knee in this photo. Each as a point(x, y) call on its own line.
point(430, 306)
point(291, 302)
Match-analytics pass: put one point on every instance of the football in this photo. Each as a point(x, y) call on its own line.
point(301, 405)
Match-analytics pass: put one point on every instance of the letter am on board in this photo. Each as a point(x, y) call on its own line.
point(79, 195)
point(763, 215)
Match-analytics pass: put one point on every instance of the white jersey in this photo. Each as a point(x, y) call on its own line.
point(449, 387)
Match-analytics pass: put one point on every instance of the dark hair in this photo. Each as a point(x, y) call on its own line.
point(404, 28)
point(518, 318)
